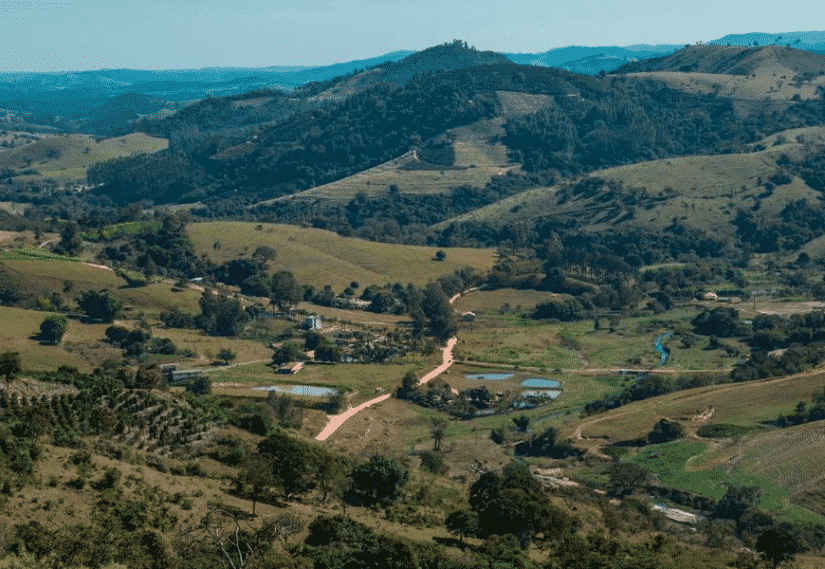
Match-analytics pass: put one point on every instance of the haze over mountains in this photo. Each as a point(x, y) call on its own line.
point(79, 100)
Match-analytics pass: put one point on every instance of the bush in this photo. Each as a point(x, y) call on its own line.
point(434, 463)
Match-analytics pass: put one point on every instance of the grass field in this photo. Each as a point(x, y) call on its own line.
point(363, 379)
point(42, 276)
point(513, 339)
point(20, 326)
point(127, 228)
point(66, 158)
point(744, 404)
point(320, 257)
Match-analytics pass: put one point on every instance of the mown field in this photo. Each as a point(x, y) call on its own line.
point(320, 257)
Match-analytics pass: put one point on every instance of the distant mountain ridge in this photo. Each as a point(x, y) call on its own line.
point(74, 99)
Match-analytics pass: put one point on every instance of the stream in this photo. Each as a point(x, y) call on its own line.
point(664, 353)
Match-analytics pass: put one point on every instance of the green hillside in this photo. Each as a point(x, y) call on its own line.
point(703, 192)
point(66, 158)
point(321, 257)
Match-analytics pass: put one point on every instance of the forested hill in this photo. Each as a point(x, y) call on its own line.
point(593, 122)
point(734, 60)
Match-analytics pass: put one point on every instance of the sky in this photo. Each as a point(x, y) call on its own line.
point(191, 34)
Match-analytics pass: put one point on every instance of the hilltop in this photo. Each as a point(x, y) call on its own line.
point(734, 60)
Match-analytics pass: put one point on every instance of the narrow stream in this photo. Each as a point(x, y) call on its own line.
point(664, 353)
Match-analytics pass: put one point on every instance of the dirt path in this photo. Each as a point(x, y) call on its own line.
point(335, 421)
point(577, 434)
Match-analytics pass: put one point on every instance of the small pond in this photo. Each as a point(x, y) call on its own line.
point(544, 393)
point(540, 382)
point(308, 390)
point(490, 376)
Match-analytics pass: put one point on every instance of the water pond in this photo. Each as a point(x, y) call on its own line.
point(540, 382)
point(308, 390)
point(490, 376)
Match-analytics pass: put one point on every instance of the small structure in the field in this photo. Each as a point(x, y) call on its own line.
point(183, 375)
point(291, 368)
point(312, 322)
point(468, 316)
point(710, 296)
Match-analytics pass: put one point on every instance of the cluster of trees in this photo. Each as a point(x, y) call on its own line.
point(138, 341)
point(650, 385)
point(797, 358)
point(512, 502)
point(438, 395)
point(165, 250)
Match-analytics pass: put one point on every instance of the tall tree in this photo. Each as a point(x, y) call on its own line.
point(285, 289)
point(256, 472)
point(439, 312)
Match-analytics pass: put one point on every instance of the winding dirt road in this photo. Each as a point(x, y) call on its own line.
point(335, 421)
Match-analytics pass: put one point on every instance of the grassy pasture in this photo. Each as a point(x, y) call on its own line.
point(361, 317)
point(321, 257)
point(706, 191)
point(19, 326)
point(364, 379)
point(66, 158)
point(743, 404)
point(768, 83)
point(512, 339)
point(43, 276)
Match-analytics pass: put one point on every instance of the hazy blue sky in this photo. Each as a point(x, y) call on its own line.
point(175, 34)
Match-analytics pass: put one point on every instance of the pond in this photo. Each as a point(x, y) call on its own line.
point(544, 393)
point(308, 390)
point(540, 382)
point(490, 376)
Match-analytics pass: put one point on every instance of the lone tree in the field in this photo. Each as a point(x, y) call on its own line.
point(53, 328)
point(226, 355)
point(462, 523)
point(440, 255)
point(10, 365)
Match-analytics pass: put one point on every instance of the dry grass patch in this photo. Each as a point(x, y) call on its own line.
point(321, 257)
point(67, 158)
